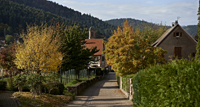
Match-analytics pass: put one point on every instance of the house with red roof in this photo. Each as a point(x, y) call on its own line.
point(98, 59)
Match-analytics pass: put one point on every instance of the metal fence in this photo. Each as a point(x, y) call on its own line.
point(70, 75)
point(126, 84)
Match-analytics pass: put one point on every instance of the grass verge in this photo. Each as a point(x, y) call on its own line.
point(44, 100)
point(72, 83)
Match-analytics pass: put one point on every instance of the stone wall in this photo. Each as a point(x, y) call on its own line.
point(79, 87)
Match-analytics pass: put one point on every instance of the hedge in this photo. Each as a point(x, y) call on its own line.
point(173, 85)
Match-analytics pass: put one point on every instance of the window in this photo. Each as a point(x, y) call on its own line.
point(193, 54)
point(177, 34)
point(178, 52)
point(96, 58)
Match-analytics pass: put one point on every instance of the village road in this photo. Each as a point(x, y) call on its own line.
point(104, 93)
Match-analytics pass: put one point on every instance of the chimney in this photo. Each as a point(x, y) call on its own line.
point(176, 22)
point(91, 33)
point(172, 24)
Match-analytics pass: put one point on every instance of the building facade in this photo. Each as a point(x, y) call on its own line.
point(177, 42)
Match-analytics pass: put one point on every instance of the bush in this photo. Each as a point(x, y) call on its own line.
point(55, 91)
point(136, 90)
point(99, 72)
point(19, 81)
point(3, 85)
point(176, 84)
point(60, 87)
point(10, 86)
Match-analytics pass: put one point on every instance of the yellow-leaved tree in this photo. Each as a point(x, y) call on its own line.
point(128, 52)
point(40, 50)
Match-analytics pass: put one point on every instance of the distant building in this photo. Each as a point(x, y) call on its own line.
point(98, 59)
point(177, 42)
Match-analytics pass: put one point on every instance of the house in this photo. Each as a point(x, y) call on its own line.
point(177, 42)
point(99, 57)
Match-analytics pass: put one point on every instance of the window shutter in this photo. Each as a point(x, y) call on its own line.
point(180, 34)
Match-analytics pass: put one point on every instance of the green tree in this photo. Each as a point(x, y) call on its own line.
point(197, 57)
point(77, 56)
point(128, 52)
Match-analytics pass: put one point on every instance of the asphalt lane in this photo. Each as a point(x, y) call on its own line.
point(104, 93)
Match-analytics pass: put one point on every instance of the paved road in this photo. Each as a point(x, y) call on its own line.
point(7, 100)
point(104, 93)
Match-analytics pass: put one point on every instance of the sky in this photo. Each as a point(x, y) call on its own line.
point(155, 11)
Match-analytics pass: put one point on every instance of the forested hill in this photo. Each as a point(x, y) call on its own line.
point(191, 29)
point(132, 22)
point(15, 17)
point(84, 19)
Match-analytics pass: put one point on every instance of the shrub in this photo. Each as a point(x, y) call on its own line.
point(99, 72)
point(176, 84)
point(19, 81)
point(60, 87)
point(3, 85)
point(10, 86)
point(55, 91)
point(136, 90)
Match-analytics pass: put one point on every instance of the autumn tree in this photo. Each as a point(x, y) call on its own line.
point(151, 33)
point(40, 50)
point(197, 56)
point(128, 52)
point(77, 56)
point(38, 53)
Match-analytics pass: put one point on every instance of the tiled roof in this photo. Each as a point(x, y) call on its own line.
point(90, 43)
point(159, 40)
point(164, 35)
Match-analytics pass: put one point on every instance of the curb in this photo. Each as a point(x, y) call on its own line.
point(18, 103)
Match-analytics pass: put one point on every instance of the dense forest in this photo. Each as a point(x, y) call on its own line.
point(15, 17)
point(16, 14)
point(84, 19)
point(133, 22)
point(191, 29)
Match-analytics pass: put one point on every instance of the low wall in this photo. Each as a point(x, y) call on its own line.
point(78, 88)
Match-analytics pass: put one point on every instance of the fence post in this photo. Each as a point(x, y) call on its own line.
point(120, 82)
point(131, 89)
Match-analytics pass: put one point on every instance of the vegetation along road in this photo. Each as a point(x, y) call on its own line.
point(104, 93)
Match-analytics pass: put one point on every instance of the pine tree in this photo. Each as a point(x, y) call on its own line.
point(76, 55)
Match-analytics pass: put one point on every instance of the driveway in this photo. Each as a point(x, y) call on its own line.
point(104, 93)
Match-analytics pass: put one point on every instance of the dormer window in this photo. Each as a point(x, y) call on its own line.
point(177, 34)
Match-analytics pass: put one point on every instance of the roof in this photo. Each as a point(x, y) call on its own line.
point(91, 43)
point(164, 35)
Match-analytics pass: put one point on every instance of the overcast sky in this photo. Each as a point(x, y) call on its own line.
point(156, 11)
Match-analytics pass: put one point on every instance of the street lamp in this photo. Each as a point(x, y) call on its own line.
point(61, 58)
